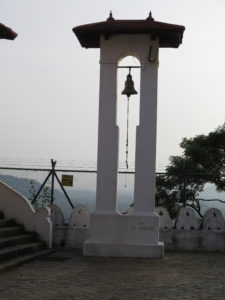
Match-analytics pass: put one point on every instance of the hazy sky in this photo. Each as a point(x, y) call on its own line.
point(50, 84)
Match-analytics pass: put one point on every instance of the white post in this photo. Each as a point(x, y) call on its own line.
point(144, 195)
point(107, 140)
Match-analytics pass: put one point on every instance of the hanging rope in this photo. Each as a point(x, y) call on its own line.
point(127, 140)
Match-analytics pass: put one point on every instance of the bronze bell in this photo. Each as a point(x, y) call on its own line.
point(129, 87)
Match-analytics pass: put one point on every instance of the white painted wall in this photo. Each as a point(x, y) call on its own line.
point(69, 237)
point(74, 235)
point(17, 207)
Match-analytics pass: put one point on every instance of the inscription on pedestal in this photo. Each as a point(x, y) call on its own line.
point(142, 226)
point(146, 228)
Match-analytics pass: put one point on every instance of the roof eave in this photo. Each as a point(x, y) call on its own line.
point(7, 33)
point(170, 35)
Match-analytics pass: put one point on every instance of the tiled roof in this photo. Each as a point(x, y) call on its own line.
point(7, 33)
point(170, 35)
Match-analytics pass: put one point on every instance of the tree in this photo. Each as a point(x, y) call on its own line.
point(203, 161)
point(44, 198)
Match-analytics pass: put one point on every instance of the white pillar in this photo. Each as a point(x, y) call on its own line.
point(107, 140)
point(144, 195)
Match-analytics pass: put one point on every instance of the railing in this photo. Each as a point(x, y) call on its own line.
point(29, 182)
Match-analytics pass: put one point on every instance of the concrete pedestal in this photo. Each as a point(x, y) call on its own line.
point(112, 234)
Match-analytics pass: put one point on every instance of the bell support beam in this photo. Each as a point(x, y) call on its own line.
point(145, 160)
point(108, 139)
point(128, 67)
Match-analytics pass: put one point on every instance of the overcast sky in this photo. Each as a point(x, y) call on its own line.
point(50, 84)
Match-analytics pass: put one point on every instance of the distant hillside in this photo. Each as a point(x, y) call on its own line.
point(21, 185)
point(24, 186)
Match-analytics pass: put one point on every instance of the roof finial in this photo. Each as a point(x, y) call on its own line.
point(150, 18)
point(110, 18)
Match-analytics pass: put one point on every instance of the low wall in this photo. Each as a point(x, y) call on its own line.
point(184, 233)
point(174, 239)
point(195, 240)
point(69, 237)
point(17, 207)
point(73, 234)
point(48, 222)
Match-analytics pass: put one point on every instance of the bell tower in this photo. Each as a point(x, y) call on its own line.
point(112, 233)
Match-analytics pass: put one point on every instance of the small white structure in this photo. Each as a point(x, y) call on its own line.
point(165, 220)
point(213, 220)
point(187, 219)
point(57, 216)
point(80, 217)
point(111, 233)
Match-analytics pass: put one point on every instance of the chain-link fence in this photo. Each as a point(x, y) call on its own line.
point(172, 190)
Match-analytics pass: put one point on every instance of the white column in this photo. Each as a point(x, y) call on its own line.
point(144, 195)
point(107, 140)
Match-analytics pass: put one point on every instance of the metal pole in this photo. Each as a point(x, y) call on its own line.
point(184, 184)
point(46, 179)
point(53, 178)
point(129, 67)
point(184, 187)
point(64, 191)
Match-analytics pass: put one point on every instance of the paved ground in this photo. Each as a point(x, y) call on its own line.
point(67, 275)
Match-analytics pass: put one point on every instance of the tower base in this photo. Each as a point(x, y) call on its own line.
point(118, 235)
point(122, 250)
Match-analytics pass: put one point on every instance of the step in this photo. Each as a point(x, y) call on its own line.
point(7, 223)
point(16, 261)
point(16, 250)
point(12, 230)
point(16, 239)
point(2, 215)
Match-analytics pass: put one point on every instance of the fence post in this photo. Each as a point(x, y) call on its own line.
point(39, 191)
point(53, 178)
point(184, 190)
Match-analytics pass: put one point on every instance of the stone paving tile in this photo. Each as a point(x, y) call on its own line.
point(67, 275)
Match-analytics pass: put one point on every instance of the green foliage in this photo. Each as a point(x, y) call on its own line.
point(203, 161)
point(167, 195)
point(43, 199)
point(207, 152)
